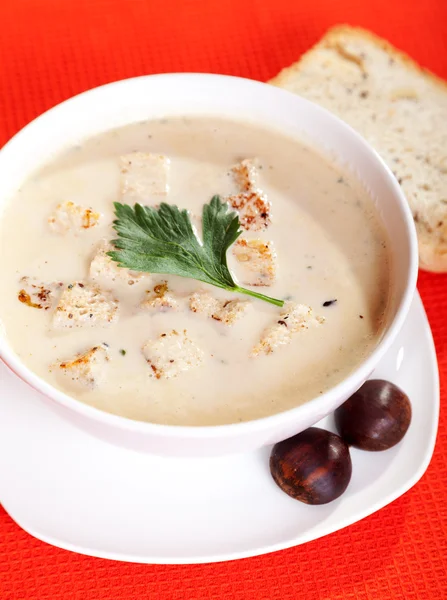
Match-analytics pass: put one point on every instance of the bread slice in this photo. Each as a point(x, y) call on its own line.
point(400, 108)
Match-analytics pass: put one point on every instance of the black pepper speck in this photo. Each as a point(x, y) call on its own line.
point(329, 302)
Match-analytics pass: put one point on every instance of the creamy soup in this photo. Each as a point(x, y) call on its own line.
point(325, 251)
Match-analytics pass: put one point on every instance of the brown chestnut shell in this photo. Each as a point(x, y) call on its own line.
point(313, 466)
point(376, 417)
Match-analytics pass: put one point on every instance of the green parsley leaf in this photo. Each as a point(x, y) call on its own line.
point(162, 240)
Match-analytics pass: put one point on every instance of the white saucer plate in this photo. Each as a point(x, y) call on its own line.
point(76, 492)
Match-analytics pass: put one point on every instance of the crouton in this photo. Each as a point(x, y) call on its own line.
point(73, 218)
point(257, 259)
point(225, 311)
point(292, 319)
point(171, 354)
point(104, 270)
point(36, 294)
point(87, 370)
point(143, 175)
point(250, 202)
point(160, 298)
point(83, 305)
point(245, 175)
point(253, 209)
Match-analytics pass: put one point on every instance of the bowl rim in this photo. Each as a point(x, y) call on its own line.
point(319, 405)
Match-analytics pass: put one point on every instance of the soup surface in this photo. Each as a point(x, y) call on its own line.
point(325, 254)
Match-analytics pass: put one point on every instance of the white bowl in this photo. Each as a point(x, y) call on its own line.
point(157, 96)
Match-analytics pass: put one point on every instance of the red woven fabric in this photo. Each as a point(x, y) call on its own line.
point(52, 49)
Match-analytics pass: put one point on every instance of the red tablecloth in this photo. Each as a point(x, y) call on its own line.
point(52, 49)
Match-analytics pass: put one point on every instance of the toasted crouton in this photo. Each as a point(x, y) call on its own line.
point(245, 175)
point(171, 354)
point(73, 218)
point(225, 311)
point(250, 202)
point(253, 208)
point(160, 298)
point(292, 319)
point(204, 303)
point(83, 305)
point(105, 270)
point(88, 369)
point(257, 259)
point(143, 175)
point(37, 294)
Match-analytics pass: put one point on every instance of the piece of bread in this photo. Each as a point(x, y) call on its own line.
point(143, 175)
point(160, 298)
point(398, 107)
point(105, 271)
point(83, 305)
point(292, 319)
point(224, 311)
point(171, 354)
point(73, 218)
point(249, 201)
point(256, 261)
point(87, 369)
point(37, 294)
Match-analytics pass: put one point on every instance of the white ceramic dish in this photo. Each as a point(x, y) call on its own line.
point(168, 95)
point(74, 491)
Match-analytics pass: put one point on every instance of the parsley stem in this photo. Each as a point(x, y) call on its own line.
point(258, 295)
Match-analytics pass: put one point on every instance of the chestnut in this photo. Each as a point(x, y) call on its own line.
point(376, 417)
point(313, 466)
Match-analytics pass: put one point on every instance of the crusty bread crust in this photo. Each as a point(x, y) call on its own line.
point(331, 38)
point(424, 180)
